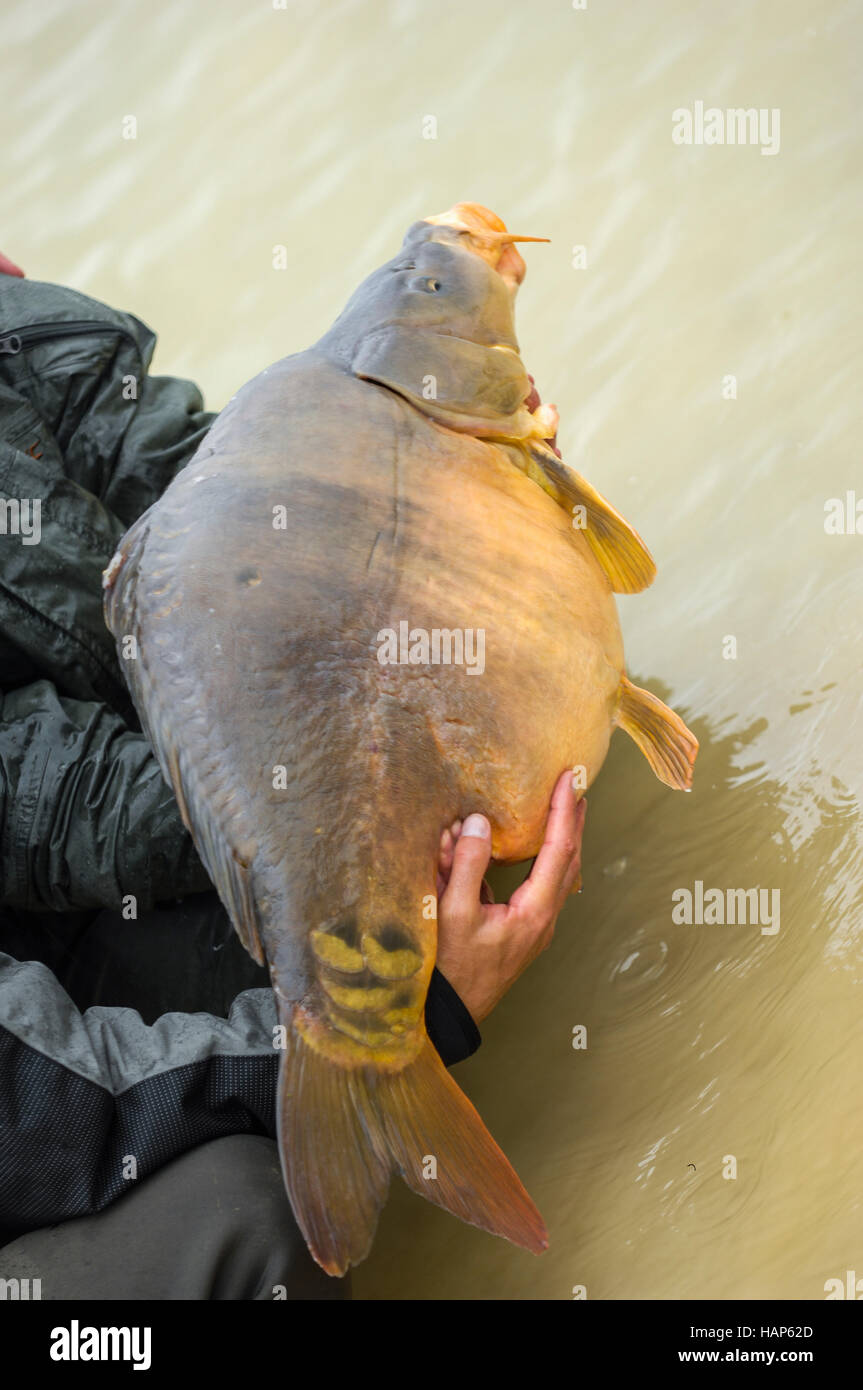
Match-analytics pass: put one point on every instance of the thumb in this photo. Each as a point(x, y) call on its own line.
point(470, 861)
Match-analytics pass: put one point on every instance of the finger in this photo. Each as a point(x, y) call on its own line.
point(445, 853)
point(470, 861)
point(558, 863)
point(8, 267)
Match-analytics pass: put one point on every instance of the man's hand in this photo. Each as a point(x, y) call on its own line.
point(8, 267)
point(484, 946)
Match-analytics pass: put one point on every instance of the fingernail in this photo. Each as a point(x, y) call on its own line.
point(477, 825)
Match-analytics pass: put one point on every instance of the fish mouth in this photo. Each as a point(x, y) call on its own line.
point(485, 234)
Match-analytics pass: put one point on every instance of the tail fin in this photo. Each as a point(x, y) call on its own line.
point(344, 1130)
point(661, 735)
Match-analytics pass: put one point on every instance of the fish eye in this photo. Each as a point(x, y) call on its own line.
point(426, 283)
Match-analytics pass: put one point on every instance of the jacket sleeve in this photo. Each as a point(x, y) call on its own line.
point(164, 433)
point(77, 382)
point(92, 1102)
point(86, 818)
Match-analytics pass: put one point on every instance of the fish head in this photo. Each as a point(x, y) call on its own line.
point(435, 284)
point(436, 325)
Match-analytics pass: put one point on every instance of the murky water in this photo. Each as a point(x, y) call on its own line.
point(304, 127)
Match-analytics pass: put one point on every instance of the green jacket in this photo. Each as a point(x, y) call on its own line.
point(117, 1037)
point(86, 430)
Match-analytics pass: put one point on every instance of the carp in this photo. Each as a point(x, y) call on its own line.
point(400, 479)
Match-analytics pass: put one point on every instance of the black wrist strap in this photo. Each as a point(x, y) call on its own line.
point(448, 1022)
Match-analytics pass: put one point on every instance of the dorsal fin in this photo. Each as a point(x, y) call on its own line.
point(229, 866)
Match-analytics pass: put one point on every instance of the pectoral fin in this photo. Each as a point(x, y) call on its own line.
point(621, 552)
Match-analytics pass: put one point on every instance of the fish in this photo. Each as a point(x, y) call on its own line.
point(295, 617)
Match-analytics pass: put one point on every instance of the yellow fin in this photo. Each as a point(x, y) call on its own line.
point(343, 1130)
point(625, 559)
point(661, 735)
